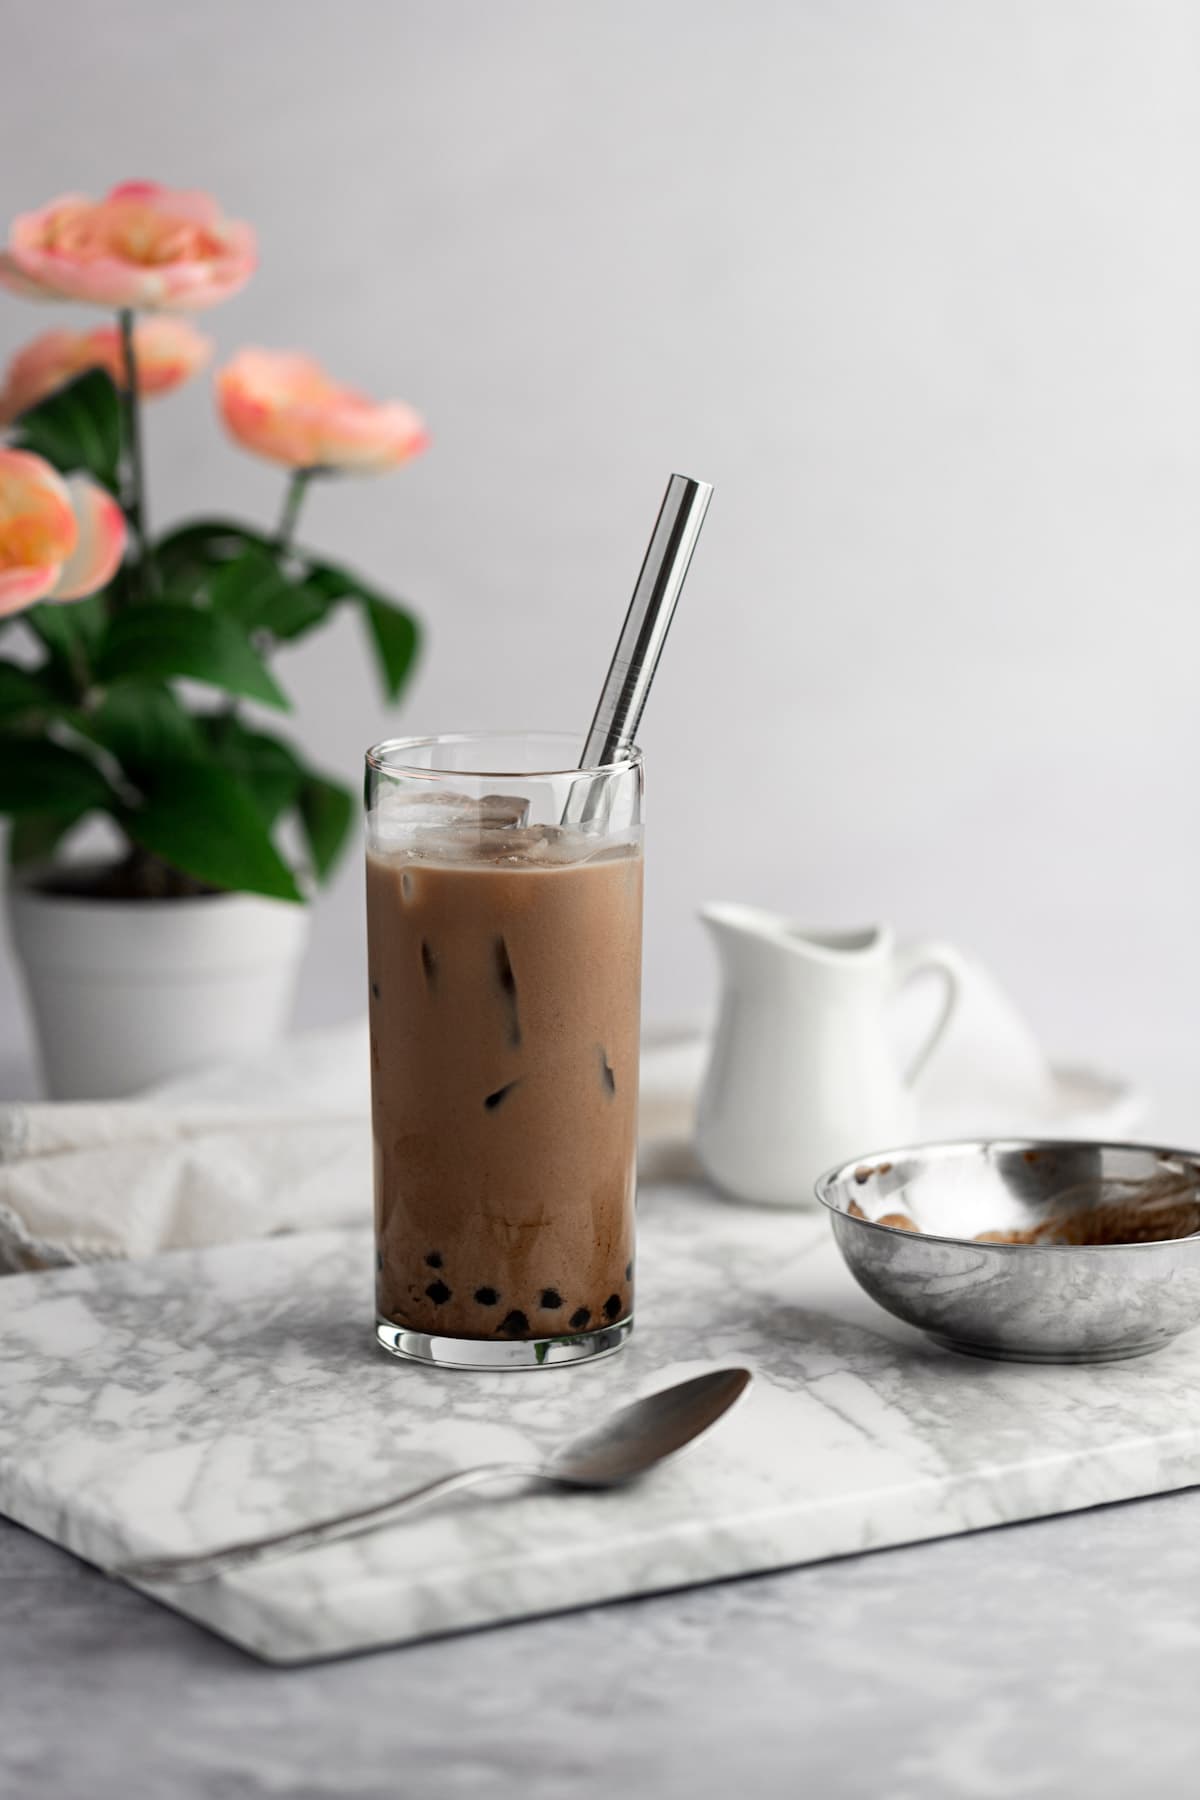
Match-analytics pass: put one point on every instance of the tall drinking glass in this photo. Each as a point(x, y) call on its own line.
point(504, 931)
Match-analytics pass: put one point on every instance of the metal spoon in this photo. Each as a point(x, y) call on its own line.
point(627, 1444)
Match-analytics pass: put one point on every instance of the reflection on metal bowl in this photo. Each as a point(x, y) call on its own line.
point(1026, 1250)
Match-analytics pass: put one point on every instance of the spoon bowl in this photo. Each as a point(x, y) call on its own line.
point(647, 1432)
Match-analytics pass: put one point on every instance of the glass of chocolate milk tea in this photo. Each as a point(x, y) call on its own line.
point(504, 929)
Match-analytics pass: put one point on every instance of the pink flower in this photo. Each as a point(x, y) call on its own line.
point(284, 406)
point(59, 540)
point(143, 246)
point(167, 351)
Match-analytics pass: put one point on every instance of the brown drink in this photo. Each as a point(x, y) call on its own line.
point(505, 971)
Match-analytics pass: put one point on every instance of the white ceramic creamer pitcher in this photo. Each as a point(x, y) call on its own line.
point(803, 1072)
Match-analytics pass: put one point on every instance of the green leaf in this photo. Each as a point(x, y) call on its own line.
point(396, 638)
point(25, 691)
point(393, 631)
point(144, 726)
point(263, 764)
point(78, 427)
point(37, 776)
point(276, 778)
point(326, 812)
point(71, 632)
point(256, 590)
point(205, 822)
point(162, 641)
point(187, 555)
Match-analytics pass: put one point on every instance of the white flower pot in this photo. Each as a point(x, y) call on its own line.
point(125, 993)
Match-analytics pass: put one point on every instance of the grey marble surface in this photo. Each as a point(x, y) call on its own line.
point(1056, 1659)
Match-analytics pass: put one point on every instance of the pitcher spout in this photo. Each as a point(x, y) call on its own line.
point(744, 933)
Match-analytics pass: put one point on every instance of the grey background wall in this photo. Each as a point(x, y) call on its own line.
point(915, 284)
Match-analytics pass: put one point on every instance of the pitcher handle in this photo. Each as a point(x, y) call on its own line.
point(913, 960)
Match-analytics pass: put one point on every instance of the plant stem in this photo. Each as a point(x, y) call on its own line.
point(293, 500)
point(297, 487)
point(135, 497)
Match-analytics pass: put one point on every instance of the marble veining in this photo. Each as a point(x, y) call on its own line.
point(163, 1405)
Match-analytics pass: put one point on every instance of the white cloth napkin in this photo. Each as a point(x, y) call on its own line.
point(283, 1144)
point(280, 1144)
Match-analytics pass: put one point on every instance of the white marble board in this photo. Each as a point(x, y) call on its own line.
point(161, 1405)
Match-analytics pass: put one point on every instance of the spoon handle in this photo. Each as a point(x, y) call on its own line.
point(200, 1565)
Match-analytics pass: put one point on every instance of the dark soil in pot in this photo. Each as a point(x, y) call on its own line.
point(138, 876)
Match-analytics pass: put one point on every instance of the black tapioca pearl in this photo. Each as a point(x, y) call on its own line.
point(607, 1077)
point(374, 990)
point(438, 1292)
point(428, 964)
point(508, 987)
point(579, 1318)
point(551, 1299)
point(500, 1095)
point(486, 1296)
point(629, 1271)
point(612, 1306)
point(406, 886)
point(434, 1259)
point(514, 1323)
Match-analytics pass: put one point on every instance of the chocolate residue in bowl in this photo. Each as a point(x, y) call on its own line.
point(1127, 1212)
point(899, 1221)
point(1118, 1212)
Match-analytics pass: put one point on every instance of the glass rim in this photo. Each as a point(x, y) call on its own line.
point(381, 757)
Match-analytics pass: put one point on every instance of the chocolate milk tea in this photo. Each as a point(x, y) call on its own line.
point(505, 974)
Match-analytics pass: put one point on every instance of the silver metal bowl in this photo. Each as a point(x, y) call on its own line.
point(908, 1223)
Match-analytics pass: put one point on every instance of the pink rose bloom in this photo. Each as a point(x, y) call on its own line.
point(284, 406)
point(144, 246)
point(59, 540)
point(167, 351)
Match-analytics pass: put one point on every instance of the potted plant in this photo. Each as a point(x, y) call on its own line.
point(181, 944)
